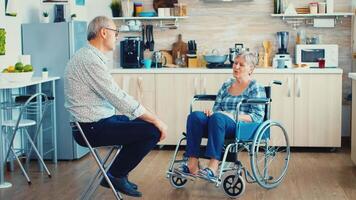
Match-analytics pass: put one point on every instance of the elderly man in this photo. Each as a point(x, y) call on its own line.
point(92, 97)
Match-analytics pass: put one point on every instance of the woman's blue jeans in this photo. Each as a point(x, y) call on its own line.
point(216, 128)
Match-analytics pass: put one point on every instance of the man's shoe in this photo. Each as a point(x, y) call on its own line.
point(104, 183)
point(122, 185)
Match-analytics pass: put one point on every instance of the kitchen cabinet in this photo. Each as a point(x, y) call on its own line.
point(282, 106)
point(317, 113)
point(140, 86)
point(174, 93)
point(308, 103)
point(353, 118)
point(173, 96)
point(308, 106)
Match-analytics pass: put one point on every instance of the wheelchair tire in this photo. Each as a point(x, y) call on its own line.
point(270, 157)
point(177, 182)
point(231, 189)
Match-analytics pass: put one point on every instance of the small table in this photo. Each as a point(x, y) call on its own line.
point(5, 93)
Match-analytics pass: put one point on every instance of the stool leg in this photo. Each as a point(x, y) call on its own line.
point(21, 166)
point(88, 192)
point(37, 153)
point(18, 160)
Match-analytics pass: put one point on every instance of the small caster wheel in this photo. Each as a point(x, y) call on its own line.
point(177, 182)
point(232, 187)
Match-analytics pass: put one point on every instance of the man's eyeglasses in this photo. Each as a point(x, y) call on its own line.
point(116, 31)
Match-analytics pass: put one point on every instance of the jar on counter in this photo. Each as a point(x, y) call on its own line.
point(321, 7)
point(313, 7)
point(138, 8)
point(180, 9)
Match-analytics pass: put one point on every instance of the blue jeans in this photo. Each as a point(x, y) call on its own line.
point(216, 128)
point(137, 138)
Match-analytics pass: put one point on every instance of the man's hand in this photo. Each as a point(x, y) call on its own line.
point(162, 127)
point(208, 112)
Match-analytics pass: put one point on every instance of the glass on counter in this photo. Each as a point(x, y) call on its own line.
point(180, 9)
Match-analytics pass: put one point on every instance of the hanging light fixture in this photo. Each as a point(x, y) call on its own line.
point(10, 8)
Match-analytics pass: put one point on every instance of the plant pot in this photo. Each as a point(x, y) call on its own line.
point(45, 19)
point(116, 13)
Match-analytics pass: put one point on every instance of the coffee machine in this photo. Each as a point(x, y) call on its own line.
point(282, 59)
point(131, 52)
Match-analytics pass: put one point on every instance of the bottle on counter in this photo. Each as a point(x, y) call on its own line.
point(45, 73)
point(277, 7)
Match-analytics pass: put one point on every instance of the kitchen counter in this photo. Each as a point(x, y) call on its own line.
point(352, 76)
point(224, 71)
point(353, 118)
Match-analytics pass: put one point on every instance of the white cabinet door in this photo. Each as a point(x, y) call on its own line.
point(317, 114)
point(140, 86)
point(282, 106)
point(353, 124)
point(174, 93)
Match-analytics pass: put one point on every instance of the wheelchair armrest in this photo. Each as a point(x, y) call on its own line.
point(204, 97)
point(256, 101)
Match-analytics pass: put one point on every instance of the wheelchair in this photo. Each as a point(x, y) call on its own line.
point(266, 144)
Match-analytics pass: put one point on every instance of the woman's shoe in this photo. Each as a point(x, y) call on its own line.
point(207, 174)
point(184, 170)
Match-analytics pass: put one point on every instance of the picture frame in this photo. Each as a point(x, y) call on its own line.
point(80, 2)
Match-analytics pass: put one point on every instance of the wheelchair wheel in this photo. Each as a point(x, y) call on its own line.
point(178, 182)
point(270, 154)
point(232, 187)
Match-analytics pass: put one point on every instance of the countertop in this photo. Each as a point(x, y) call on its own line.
point(34, 81)
point(225, 71)
point(352, 76)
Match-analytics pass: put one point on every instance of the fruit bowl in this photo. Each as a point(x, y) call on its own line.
point(17, 76)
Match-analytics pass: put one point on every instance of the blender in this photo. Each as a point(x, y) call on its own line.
point(282, 58)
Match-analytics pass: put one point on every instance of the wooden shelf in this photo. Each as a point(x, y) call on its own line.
point(150, 18)
point(337, 14)
point(161, 20)
point(299, 19)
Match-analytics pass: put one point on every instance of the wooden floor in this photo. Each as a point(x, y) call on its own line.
point(311, 175)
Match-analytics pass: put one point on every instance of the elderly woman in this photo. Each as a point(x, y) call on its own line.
point(219, 123)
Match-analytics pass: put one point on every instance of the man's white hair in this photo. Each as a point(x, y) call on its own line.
point(96, 25)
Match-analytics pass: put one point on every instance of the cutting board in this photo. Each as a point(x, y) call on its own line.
point(181, 47)
point(163, 4)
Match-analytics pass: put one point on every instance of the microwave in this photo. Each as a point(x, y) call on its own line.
point(309, 54)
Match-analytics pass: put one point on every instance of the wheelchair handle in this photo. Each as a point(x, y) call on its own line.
point(204, 97)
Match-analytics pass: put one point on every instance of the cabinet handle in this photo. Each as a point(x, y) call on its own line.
point(126, 83)
point(195, 85)
point(204, 85)
point(298, 87)
point(140, 89)
point(289, 87)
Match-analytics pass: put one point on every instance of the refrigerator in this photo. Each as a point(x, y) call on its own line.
point(51, 45)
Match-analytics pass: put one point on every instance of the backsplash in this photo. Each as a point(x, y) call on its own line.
point(221, 25)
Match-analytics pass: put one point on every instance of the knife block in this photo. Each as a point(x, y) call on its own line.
point(192, 60)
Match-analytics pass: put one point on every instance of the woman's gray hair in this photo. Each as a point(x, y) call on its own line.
point(96, 25)
point(249, 57)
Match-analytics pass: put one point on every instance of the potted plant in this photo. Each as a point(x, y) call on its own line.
point(45, 17)
point(115, 6)
point(73, 16)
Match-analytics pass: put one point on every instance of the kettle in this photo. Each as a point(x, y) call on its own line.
point(158, 59)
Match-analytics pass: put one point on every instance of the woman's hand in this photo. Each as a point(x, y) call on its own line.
point(208, 112)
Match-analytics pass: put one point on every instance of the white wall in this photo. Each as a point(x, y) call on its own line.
point(29, 11)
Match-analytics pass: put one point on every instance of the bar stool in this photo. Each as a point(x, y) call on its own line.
point(103, 164)
point(30, 107)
